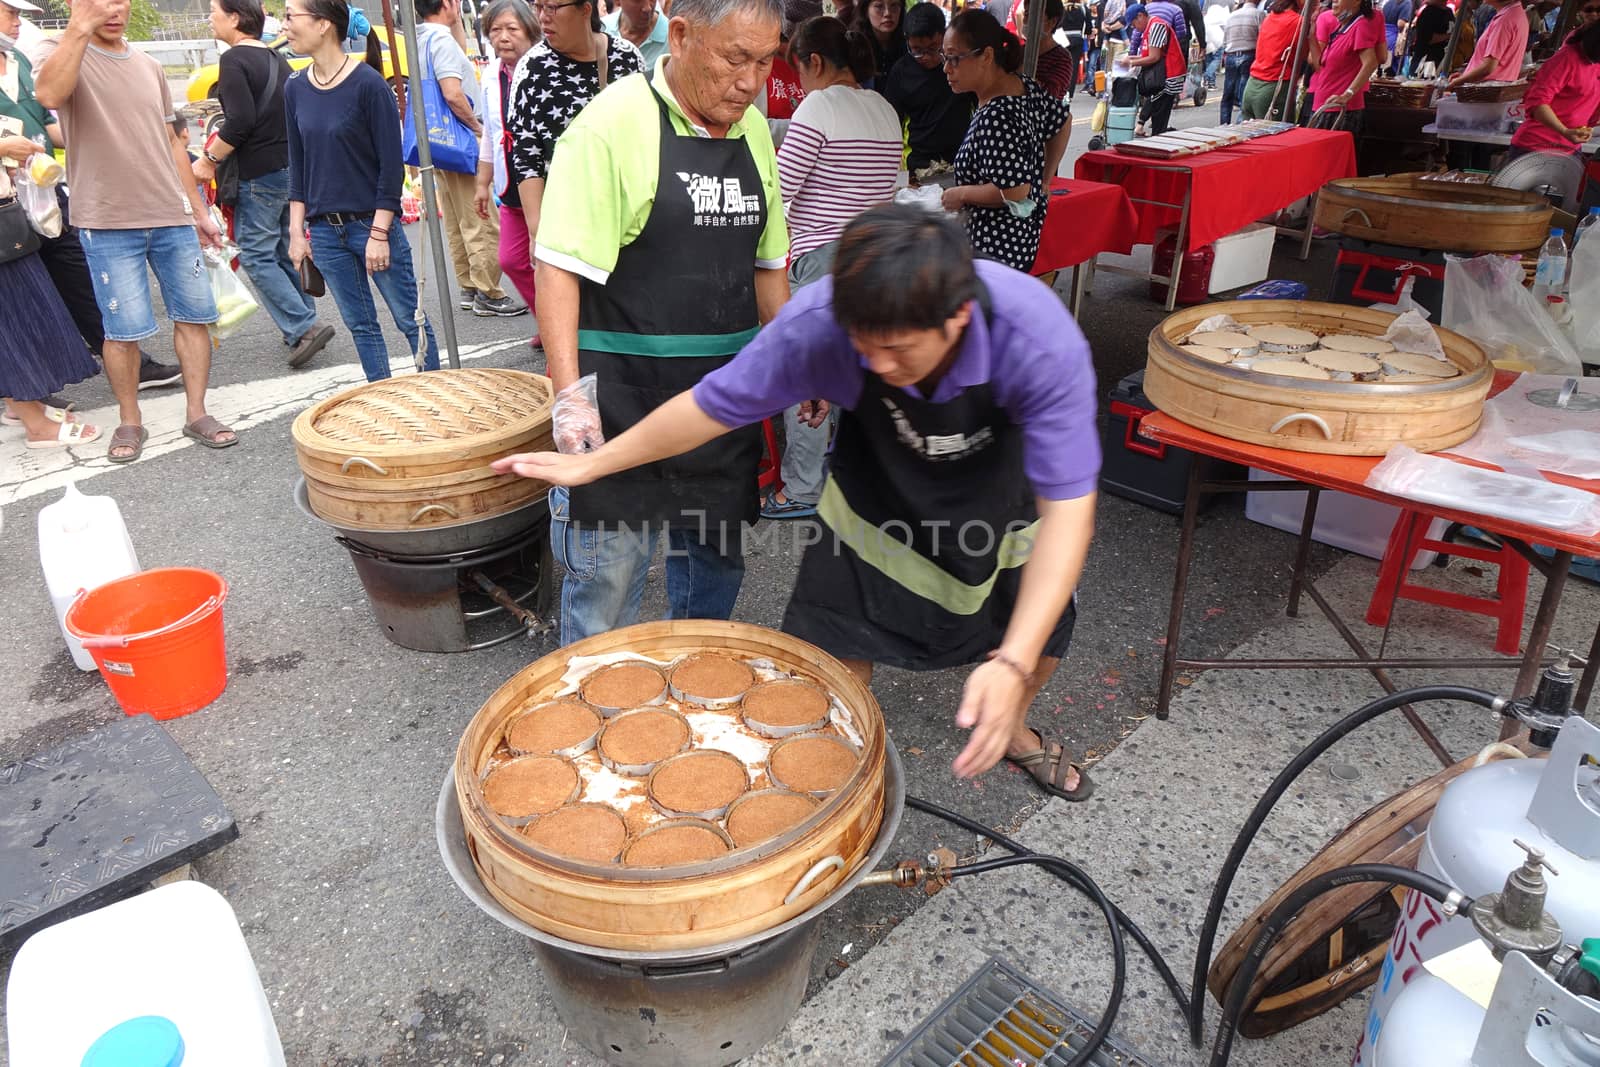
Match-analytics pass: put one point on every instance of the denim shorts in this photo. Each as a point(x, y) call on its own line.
point(117, 264)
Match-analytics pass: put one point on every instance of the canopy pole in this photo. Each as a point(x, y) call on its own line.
point(433, 233)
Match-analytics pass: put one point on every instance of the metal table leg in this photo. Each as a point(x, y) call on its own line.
point(1180, 585)
point(1311, 215)
point(1178, 247)
point(1080, 285)
point(1302, 555)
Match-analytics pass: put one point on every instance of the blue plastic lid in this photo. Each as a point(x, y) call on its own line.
point(148, 1041)
point(1558, 232)
point(1594, 211)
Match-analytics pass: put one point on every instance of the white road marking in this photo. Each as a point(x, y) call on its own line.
point(26, 472)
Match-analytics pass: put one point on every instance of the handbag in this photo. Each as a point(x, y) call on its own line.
point(17, 236)
point(226, 176)
point(1153, 78)
point(451, 144)
point(311, 282)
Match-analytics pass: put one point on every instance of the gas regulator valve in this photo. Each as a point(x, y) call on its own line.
point(1550, 705)
point(1514, 919)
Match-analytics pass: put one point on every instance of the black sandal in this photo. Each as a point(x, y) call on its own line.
point(1050, 766)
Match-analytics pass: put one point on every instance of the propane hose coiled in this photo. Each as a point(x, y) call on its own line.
point(1286, 777)
point(1285, 913)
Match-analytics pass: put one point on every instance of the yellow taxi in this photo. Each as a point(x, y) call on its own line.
point(203, 82)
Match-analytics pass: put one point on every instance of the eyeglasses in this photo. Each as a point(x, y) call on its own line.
point(551, 9)
point(923, 53)
point(290, 16)
point(955, 60)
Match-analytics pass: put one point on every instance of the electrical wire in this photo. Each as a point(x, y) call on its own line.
point(955, 818)
point(1239, 992)
point(1119, 958)
point(1286, 777)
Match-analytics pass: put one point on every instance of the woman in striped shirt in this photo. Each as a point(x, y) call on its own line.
point(840, 156)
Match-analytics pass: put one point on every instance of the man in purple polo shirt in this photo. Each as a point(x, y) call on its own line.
point(960, 504)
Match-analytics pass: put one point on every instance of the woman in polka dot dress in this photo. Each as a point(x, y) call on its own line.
point(1016, 138)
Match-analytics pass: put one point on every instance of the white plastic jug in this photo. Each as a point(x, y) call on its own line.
point(82, 544)
point(174, 952)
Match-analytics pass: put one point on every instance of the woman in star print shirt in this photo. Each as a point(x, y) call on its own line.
point(1015, 139)
point(552, 82)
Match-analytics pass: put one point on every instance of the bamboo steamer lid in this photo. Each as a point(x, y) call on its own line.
point(415, 451)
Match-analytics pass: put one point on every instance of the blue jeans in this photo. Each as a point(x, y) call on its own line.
point(120, 262)
point(1213, 61)
point(261, 230)
point(340, 253)
point(1092, 64)
point(606, 569)
point(1236, 71)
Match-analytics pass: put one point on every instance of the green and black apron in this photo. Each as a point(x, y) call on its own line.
point(680, 303)
point(927, 521)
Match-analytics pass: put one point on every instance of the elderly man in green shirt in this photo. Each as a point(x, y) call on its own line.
point(661, 250)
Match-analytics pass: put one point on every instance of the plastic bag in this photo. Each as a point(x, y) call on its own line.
point(1219, 324)
point(1097, 120)
point(1408, 473)
point(44, 210)
point(1485, 300)
point(927, 196)
point(1583, 297)
point(234, 302)
point(1410, 332)
point(1404, 302)
point(1521, 426)
point(575, 419)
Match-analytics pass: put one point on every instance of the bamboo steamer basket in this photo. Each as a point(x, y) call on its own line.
point(1443, 216)
point(1343, 418)
point(412, 452)
point(695, 905)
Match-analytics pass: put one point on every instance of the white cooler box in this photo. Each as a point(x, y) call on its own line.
point(1352, 523)
point(1242, 258)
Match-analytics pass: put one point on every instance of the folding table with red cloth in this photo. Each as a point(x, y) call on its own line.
point(1083, 219)
point(1212, 194)
point(1312, 472)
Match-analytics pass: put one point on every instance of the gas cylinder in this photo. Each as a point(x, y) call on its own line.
point(1532, 1021)
point(83, 544)
point(1552, 804)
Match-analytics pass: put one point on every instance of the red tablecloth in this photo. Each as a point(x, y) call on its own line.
point(1229, 187)
point(1079, 224)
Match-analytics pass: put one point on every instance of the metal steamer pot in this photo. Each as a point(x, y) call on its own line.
point(439, 541)
point(701, 1007)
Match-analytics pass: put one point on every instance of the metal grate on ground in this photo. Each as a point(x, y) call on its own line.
point(1002, 1018)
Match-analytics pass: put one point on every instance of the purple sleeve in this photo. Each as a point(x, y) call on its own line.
point(800, 355)
point(1044, 377)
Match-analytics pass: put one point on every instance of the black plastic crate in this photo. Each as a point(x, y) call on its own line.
point(1367, 272)
point(1146, 471)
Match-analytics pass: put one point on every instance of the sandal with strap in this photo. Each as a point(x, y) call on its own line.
point(1050, 766)
point(69, 433)
point(773, 508)
point(208, 431)
point(54, 414)
point(126, 436)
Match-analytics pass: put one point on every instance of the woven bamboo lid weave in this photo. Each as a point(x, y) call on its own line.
point(452, 410)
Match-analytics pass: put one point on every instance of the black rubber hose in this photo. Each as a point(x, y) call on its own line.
point(955, 818)
point(1283, 914)
point(1286, 777)
point(1119, 959)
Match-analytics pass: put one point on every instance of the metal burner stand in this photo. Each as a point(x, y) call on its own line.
point(459, 602)
point(690, 1008)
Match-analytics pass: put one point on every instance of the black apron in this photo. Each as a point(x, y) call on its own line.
point(927, 517)
point(686, 285)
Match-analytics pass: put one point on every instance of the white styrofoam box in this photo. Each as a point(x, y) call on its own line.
point(1243, 257)
point(175, 952)
point(1352, 523)
point(1486, 117)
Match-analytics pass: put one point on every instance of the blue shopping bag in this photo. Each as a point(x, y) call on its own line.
point(451, 143)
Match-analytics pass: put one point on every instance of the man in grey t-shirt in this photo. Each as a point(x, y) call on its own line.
point(1238, 55)
point(474, 240)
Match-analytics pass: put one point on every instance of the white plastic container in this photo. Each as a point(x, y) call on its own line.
point(1243, 257)
point(1552, 804)
point(83, 543)
point(1486, 117)
point(175, 952)
point(1352, 523)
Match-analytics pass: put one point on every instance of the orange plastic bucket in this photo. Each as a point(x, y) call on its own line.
point(157, 638)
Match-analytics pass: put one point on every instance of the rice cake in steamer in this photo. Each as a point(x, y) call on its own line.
point(562, 727)
point(701, 783)
point(785, 706)
point(1416, 363)
point(710, 680)
point(766, 813)
point(1205, 352)
point(1349, 366)
point(1239, 344)
point(1284, 338)
point(531, 785)
point(588, 833)
point(1291, 368)
point(634, 741)
point(676, 843)
point(629, 684)
point(811, 763)
point(1364, 346)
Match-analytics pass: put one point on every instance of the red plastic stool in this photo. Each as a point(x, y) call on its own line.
point(1511, 588)
point(769, 476)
